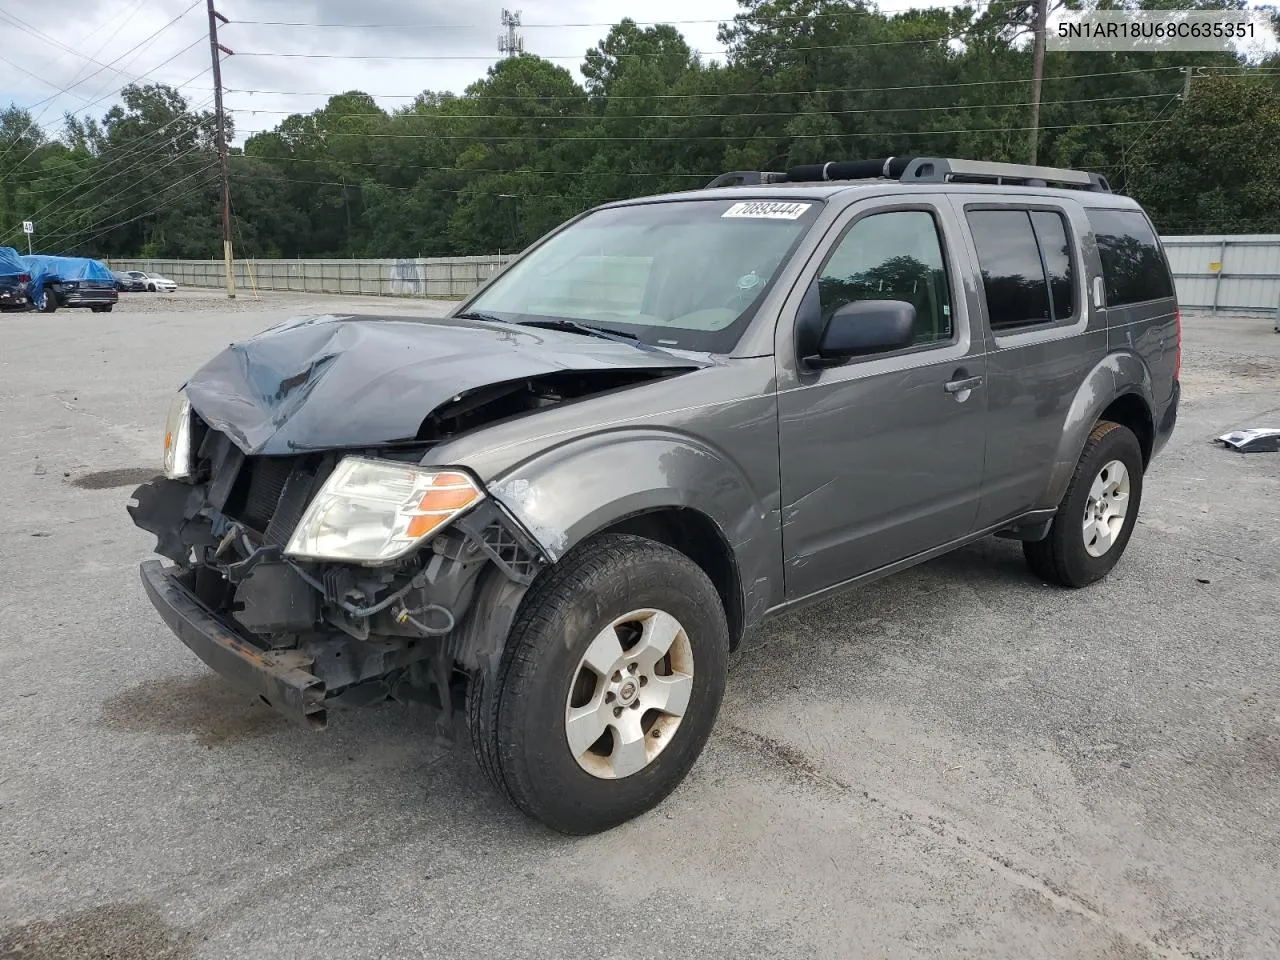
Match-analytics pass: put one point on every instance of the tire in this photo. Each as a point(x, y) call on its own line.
point(105, 309)
point(151, 288)
point(518, 720)
point(48, 302)
point(1074, 554)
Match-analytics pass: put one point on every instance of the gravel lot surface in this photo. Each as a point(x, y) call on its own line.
point(956, 762)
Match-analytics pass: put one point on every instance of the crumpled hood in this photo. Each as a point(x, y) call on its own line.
point(342, 381)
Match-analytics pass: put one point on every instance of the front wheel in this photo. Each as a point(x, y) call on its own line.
point(47, 301)
point(610, 684)
point(151, 288)
point(1098, 513)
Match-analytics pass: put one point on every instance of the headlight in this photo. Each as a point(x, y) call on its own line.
point(376, 511)
point(178, 460)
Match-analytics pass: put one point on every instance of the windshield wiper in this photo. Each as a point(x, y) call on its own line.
point(560, 323)
point(575, 327)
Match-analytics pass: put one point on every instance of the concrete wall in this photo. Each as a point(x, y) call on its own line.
point(1229, 274)
point(413, 277)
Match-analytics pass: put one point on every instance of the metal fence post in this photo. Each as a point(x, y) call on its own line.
point(1222, 268)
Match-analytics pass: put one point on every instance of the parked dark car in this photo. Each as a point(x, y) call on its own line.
point(15, 281)
point(130, 281)
point(71, 282)
point(556, 511)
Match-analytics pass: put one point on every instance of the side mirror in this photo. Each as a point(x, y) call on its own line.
point(865, 327)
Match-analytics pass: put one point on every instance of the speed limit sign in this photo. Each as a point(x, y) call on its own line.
point(28, 226)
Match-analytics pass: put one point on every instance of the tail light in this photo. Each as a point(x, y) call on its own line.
point(1177, 356)
point(24, 278)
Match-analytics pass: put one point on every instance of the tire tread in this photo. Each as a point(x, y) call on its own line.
point(1048, 558)
point(496, 749)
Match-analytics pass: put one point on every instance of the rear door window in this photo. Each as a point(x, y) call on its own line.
point(1133, 266)
point(1055, 250)
point(1028, 271)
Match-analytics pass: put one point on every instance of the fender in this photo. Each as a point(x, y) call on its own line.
point(1117, 374)
point(567, 493)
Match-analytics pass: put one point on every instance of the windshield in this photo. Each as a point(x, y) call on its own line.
point(686, 274)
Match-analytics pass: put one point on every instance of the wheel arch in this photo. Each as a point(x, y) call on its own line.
point(1132, 411)
point(1118, 388)
point(671, 487)
point(697, 536)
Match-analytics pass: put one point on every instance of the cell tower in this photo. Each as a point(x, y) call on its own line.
point(511, 43)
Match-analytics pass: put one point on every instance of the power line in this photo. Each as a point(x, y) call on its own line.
point(115, 226)
point(102, 66)
point(39, 34)
point(694, 96)
point(62, 208)
point(86, 107)
point(48, 83)
point(102, 204)
point(739, 18)
point(133, 150)
point(885, 134)
point(134, 145)
point(77, 231)
point(446, 169)
point(572, 56)
point(595, 118)
point(373, 185)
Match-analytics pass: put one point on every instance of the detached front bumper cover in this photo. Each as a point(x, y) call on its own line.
point(280, 677)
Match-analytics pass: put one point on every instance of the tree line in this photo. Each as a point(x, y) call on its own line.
point(527, 146)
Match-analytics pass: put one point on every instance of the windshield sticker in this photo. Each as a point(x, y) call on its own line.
point(767, 210)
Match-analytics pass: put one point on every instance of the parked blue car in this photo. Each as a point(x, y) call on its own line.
point(15, 281)
point(70, 282)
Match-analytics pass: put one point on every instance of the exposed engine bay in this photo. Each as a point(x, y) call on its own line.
point(365, 633)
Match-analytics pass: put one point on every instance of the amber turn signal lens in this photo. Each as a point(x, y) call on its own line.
point(448, 494)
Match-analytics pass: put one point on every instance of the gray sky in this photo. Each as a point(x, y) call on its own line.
point(123, 34)
point(107, 30)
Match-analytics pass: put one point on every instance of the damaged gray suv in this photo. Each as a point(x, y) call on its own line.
point(557, 511)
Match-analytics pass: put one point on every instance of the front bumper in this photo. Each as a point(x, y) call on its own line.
point(88, 298)
point(279, 677)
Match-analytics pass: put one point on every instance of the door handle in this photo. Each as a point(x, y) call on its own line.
point(959, 386)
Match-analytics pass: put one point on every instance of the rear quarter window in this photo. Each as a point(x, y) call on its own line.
point(1133, 266)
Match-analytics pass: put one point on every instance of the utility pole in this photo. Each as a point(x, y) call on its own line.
point(223, 159)
point(1037, 76)
point(512, 44)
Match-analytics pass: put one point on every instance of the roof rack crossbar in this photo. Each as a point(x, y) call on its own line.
point(922, 170)
point(944, 170)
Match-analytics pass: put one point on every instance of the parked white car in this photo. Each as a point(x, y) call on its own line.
point(156, 282)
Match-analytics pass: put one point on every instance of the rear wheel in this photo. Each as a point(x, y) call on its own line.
point(1096, 517)
point(610, 684)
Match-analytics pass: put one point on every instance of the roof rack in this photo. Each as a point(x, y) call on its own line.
point(922, 170)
